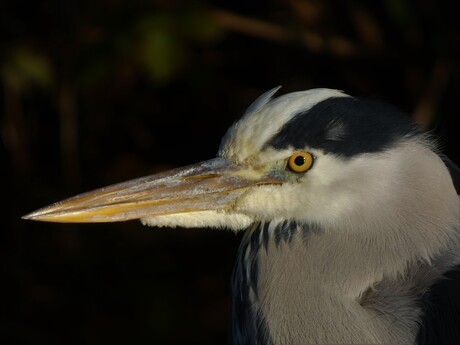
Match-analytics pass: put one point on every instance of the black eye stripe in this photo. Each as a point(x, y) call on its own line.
point(370, 126)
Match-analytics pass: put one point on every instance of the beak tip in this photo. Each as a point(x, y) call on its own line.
point(30, 216)
point(36, 215)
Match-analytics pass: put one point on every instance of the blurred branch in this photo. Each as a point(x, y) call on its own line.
point(368, 28)
point(21, 69)
point(68, 114)
point(13, 127)
point(66, 95)
point(313, 41)
point(425, 111)
point(252, 27)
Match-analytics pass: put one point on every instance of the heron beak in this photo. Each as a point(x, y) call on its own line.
point(211, 185)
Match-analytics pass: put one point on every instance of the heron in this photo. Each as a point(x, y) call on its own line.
point(350, 213)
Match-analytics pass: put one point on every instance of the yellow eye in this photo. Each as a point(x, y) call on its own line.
point(300, 162)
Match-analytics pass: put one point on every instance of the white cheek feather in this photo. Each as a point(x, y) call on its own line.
point(201, 219)
point(362, 189)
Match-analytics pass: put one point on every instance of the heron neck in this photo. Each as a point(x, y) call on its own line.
point(290, 278)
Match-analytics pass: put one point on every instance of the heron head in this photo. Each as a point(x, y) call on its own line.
point(311, 156)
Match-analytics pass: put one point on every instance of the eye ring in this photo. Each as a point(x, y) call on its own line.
point(300, 162)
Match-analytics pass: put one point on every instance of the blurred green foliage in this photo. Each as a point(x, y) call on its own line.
point(163, 40)
point(23, 67)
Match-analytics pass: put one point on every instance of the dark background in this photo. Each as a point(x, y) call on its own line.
point(96, 92)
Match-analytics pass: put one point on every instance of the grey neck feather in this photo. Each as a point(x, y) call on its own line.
point(299, 284)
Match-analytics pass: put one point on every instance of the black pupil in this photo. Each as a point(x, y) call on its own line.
point(299, 160)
